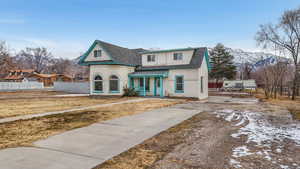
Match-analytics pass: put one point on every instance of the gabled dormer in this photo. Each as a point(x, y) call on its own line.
point(103, 53)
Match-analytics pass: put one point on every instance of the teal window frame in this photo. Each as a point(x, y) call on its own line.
point(175, 84)
point(118, 85)
point(97, 91)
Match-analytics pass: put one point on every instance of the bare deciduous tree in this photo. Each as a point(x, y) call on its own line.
point(286, 36)
point(35, 58)
point(6, 62)
point(272, 77)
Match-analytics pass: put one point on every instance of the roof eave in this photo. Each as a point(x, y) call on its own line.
point(168, 50)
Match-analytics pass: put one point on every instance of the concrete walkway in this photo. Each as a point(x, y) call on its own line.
point(87, 147)
point(30, 116)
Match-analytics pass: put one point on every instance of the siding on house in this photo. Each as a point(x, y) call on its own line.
point(105, 71)
point(166, 58)
point(104, 55)
point(193, 67)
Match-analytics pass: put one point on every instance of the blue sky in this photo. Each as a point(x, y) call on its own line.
point(68, 27)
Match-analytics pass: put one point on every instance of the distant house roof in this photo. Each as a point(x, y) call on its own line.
point(16, 74)
point(44, 75)
point(133, 57)
point(22, 70)
point(40, 75)
point(14, 77)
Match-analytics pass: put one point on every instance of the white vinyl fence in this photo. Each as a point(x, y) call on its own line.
point(11, 86)
point(72, 87)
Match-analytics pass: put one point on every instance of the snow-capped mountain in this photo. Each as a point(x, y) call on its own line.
point(257, 59)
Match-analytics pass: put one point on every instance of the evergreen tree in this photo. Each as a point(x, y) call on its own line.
point(222, 63)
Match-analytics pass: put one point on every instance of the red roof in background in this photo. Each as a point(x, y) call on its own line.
point(14, 77)
point(23, 70)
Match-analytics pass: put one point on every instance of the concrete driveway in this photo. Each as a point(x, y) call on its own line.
point(87, 147)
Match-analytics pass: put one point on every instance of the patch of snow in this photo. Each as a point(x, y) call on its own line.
point(278, 150)
point(242, 121)
point(235, 163)
point(284, 167)
point(241, 151)
point(230, 117)
point(267, 155)
point(259, 153)
point(262, 133)
point(259, 131)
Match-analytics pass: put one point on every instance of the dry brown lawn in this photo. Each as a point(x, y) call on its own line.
point(283, 101)
point(16, 107)
point(292, 105)
point(29, 93)
point(24, 132)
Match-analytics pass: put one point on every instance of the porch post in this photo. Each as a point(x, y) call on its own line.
point(144, 88)
point(154, 91)
point(132, 83)
point(129, 82)
point(161, 86)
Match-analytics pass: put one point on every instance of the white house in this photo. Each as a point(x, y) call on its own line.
point(174, 73)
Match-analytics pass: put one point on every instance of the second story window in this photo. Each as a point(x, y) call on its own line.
point(177, 56)
point(151, 58)
point(97, 53)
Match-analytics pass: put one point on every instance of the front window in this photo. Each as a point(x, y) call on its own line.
point(98, 84)
point(97, 53)
point(114, 83)
point(151, 58)
point(177, 56)
point(179, 82)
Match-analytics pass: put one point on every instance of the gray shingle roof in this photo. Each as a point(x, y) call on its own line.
point(133, 57)
point(121, 55)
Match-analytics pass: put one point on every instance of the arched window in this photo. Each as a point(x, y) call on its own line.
point(114, 83)
point(98, 84)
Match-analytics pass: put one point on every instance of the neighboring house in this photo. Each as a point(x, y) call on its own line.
point(19, 75)
point(239, 84)
point(49, 79)
point(175, 72)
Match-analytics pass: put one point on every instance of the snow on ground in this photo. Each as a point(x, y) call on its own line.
point(260, 132)
point(241, 151)
point(235, 163)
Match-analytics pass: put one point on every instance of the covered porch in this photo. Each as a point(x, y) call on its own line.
point(148, 83)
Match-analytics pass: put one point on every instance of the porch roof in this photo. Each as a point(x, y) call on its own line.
point(163, 73)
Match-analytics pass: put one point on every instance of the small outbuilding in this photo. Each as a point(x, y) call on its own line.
point(239, 84)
